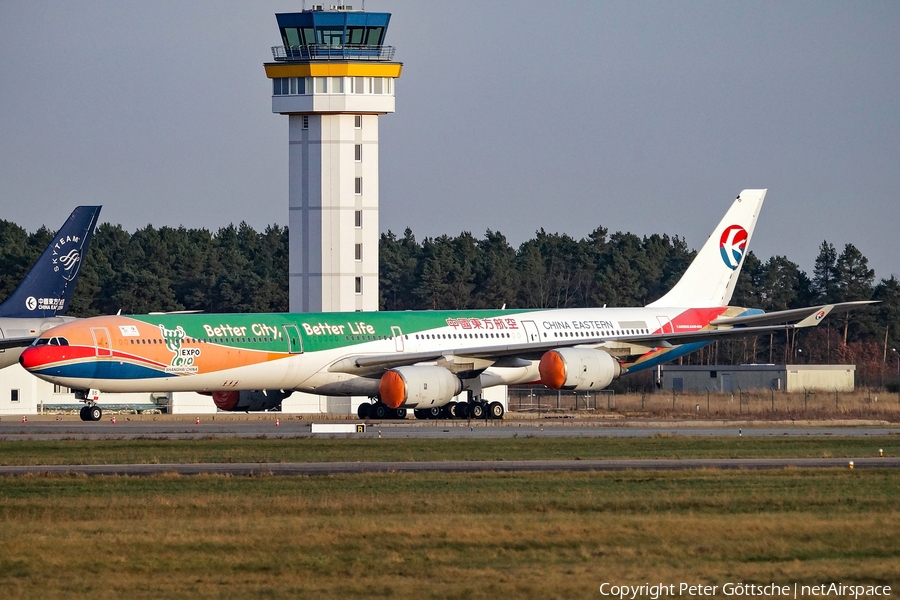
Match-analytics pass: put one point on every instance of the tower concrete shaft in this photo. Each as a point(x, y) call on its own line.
point(333, 78)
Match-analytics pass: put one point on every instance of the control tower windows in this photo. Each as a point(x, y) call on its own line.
point(356, 35)
point(357, 153)
point(357, 219)
point(330, 36)
point(288, 86)
point(298, 36)
point(357, 121)
point(374, 36)
point(292, 37)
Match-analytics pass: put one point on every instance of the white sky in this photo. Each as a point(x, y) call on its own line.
point(642, 117)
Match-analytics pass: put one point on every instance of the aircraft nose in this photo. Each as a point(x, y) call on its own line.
point(35, 357)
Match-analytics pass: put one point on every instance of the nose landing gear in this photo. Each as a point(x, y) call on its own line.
point(91, 412)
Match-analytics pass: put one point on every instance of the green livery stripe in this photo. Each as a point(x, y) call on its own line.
point(326, 331)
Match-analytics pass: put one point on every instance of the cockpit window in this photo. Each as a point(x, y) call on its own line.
point(54, 341)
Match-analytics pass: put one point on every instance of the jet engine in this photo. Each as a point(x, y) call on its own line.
point(418, 387)
point(580, 369)
point(249, 400)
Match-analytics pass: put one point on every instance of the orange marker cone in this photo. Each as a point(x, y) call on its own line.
point(277, 422)
point(113, 419)
point(24, 419)
point(198, 420)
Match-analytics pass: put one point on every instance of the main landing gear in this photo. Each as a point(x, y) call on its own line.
point(473, 409)
point(477, 409)
point(379, 410)
point(91, 412)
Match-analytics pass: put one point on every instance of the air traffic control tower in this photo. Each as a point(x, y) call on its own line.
point(333, 77)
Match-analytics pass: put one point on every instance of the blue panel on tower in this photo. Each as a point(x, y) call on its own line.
point(315, 34)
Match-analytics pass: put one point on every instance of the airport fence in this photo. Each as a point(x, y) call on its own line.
point(757, 404)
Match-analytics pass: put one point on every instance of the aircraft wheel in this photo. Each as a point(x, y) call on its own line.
point(434, 412)
point(495, 410)
point(462, 410)
point(363, 410)
point(96, 413)
point(449, 410)
point(476, 410)
point(379, 411)
point(83, 413)
point(420, 414)
point(399, 413)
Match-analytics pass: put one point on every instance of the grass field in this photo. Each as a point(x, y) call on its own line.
point(489, 535)
point(228, 450)
point(758, 404)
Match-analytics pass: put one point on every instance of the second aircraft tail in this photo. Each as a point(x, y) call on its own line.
point(48, 286)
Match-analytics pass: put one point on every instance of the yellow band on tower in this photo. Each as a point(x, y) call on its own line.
point(334, 69)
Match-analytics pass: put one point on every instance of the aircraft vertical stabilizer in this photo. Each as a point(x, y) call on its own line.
point(709, 281)
point(47, 288)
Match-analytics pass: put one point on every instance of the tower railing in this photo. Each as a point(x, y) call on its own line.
point(329, 52)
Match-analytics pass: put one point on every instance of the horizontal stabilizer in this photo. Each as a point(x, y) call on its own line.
point(800, 317)
point(16, 342)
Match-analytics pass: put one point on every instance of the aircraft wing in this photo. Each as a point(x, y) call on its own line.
point(517, 354)
point(16, 342)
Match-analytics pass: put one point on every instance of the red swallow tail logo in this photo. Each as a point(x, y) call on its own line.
point(732, 245)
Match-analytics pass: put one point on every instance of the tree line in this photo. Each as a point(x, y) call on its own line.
point(238, 269)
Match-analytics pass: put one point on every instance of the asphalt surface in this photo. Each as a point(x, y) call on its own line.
point(337, 468)
point(290, 426)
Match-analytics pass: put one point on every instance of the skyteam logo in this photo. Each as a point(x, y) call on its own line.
point(732, 245)
point(67, 259)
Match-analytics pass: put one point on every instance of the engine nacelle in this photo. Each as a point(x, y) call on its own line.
point(249, 400)
point(580, 369)
point(418, 387)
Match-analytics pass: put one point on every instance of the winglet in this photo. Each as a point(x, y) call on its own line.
point(815, 318)
point(47, 288)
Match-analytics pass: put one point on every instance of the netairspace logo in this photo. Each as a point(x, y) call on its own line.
point(744, 590)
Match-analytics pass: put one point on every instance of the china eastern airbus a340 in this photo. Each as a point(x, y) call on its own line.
point(417, 360)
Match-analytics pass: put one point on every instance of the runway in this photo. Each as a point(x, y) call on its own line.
point(341, 468)
point(290, 426)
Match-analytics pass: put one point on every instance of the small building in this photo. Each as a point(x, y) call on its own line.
point(729, 379)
